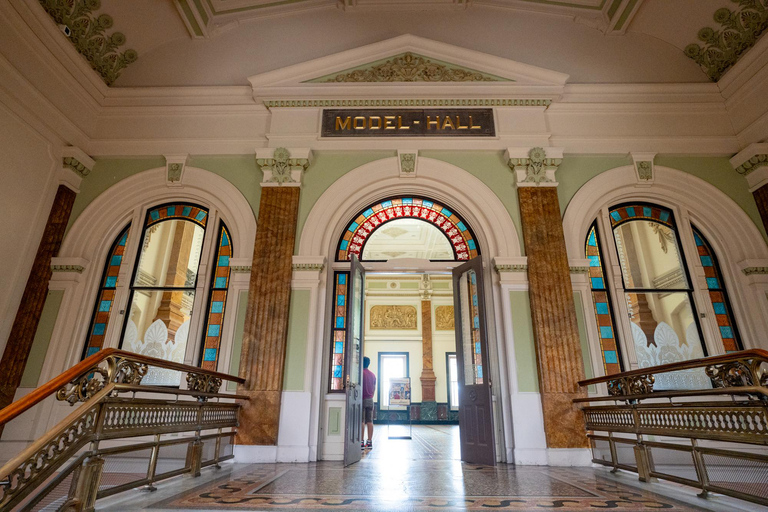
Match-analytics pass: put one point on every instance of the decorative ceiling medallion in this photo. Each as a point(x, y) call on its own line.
point(739, 31)
point(410, 67)
point(88, 34)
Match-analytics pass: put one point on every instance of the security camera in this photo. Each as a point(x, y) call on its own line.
point(67, 31)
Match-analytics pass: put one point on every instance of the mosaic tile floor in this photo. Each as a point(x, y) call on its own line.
point(411, 475)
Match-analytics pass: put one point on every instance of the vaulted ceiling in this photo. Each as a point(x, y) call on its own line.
point(222, 42)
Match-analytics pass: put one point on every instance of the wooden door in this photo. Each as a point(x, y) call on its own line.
point(353, 358)
point(475, 403)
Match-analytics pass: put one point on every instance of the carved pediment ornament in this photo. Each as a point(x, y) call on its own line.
point(412, 68)
point(393, 317)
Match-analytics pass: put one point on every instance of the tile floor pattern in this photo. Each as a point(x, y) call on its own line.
point(404, 475)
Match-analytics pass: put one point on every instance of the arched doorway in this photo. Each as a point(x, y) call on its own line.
point(487, 230)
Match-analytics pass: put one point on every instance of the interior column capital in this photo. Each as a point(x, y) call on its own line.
point(283, 167)
point(534, 167)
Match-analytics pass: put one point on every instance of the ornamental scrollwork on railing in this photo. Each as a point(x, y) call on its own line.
point(203, 383)
point(119, 371)
point(637, 385)
point(83, 388)
point(750, 372)
point(50, 454)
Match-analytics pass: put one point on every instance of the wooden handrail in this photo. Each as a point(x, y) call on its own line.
point(682, 365)
point(52, 386)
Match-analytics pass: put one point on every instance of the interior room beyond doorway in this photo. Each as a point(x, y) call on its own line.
point(409, 333)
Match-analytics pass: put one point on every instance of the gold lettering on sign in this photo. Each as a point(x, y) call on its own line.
point(393, 317)
point(346, 124)
point(448, 122)
point(378, 123)
point(357, 126)
point(400, 124)
point(436, 122)
point(444, 319)
point(473, 126)
point(459, 125)
point(388, 120)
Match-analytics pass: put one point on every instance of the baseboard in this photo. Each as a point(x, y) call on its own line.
point(293, 454)
point(248, 453)
point(531, 456)
point(569, 457)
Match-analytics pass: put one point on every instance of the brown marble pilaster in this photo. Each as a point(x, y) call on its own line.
point(428, 377)
point(32, 301)
point(558, 348)
point(266, 324)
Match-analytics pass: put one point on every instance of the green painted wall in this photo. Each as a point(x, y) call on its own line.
point(240, 170)
point(719, 172)
point(296, 350)
point(525, 349)
point(237, 339)
point(326, 168)
point(42, 339)
point(490, 168)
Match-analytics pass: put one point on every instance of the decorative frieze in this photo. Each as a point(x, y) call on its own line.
point(75, 159)
point(444, 318)
point(68, 268)
point(511, 268)
point(750, 271)
point(393, 318)
point(579, 270)
point(412, 102)
point(87, 31)
point(315, 267)
point(410, 67)
point(535, 167)
point(736, 33)
point(240, 269)
point(282, 167)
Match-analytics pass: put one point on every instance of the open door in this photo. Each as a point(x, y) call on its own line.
point(354, 365)
point(475, 404)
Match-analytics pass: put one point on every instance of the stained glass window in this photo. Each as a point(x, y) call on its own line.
point(717, 294)
point(339, 330)
point(462, 240)
point(603, 311)
point(163, 287)
point(217, 302)
point(106, 296)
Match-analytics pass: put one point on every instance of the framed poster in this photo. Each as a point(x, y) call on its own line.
point(400, 391)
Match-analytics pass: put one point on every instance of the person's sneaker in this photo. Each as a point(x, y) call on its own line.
point(368, 444)
point(362, 445)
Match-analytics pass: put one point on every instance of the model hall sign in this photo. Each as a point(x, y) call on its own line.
point(408, 122)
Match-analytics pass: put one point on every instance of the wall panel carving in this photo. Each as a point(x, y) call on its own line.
point(444, 319)
point(393, 317)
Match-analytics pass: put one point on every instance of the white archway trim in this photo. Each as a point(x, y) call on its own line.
point(725, 225)
point(444, 182)
point(102, 220)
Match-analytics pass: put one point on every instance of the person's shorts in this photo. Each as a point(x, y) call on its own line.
point(368, 410)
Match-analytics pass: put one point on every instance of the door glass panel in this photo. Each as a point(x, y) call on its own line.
point(170, 254)
point(453, 383)
point(649, 256)
point(664, 331)
point(470, 329)
point(355, 320)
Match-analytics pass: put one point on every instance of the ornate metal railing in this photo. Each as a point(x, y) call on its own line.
point(717, 432)
point(79, 460)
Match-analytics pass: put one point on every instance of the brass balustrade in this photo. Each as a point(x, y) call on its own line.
point(113, 405)
point(733, 413)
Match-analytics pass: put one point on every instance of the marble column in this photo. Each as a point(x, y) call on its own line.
point(428, 378)
point(75, 165)
point(553, 311)
point(752, 163)
point(262, 361)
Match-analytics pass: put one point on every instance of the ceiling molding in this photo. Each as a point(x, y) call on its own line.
point(735, 33)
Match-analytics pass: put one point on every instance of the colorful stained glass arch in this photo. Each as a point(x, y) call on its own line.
point(717, 293)
point(106, 297)
point(457, 231)
point(601, 298)
point(217, 302)
point(639, 211)
point(177, 211)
